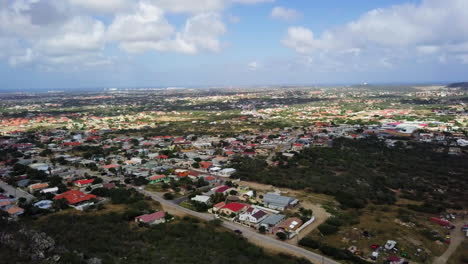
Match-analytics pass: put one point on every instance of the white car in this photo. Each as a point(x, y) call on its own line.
point(390, 244)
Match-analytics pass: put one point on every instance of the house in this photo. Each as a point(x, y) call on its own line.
point(233, 208)
point(14, 210)
point(37, 187)
point(44, 204)
point(162, 157)
point(157, 178)
point(289, 225)
point(202, 199)
point(218, 206)
point(297, 146)
point(152, 219)
point(210, 179)
point(214, 169)
point(272, 220)
point(5, 203)
point(39, 166)
point(278, 202)
point(77, 199)
point(109, 185)
point(224, 189)
point(205, 165)
point(111, 166)
point(83, 183)
point(253, 216)
point(226, 172)
point(50, 190)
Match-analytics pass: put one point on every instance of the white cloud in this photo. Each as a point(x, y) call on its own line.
point(25, 58)
point(202, 32)
point(252, 1)
point(286, 14)
point(141, 29)
point(201, 6)
point(254, 66)
point(102, 6)
point(233, 19)
point(300, 39)
point(146, 28)
point(81, 34)
point(388, 35)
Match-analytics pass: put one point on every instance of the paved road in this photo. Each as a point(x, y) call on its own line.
point(15, 191)
point(456, 238)
point(246, 232)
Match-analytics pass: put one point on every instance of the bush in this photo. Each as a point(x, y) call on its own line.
point(215, 222)
point(168, 196)
point(282, 236)
point(334, 221)
point(309, 242)
point(327, 229)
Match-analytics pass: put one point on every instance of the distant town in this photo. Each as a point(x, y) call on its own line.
point(270, 164)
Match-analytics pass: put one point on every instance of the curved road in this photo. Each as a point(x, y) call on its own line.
point(246, 232)
point(457, 237)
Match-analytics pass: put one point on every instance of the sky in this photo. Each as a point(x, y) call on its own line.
point(75, 44)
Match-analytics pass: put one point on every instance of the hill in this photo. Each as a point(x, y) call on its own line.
point(462, 85)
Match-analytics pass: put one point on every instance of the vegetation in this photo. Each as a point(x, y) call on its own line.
point(461, 255)
point(178, 242)
point(335, 253)
point(357, 172)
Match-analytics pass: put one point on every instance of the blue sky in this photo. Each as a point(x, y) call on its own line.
point(65, 44)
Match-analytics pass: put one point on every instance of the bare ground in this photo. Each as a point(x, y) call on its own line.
point(457, 237)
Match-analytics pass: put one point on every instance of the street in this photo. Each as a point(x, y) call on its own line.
point(15, 191)
point(248, 233)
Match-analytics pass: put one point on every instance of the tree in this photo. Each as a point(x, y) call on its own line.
point(262, 229)
point(60, 204)
point(168, 196)
point(281, 235)
point(327, 229)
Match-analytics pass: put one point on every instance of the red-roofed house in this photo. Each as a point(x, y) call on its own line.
point(223, 189)
point(152, 219)
point(76, 198)
point(111, 166)
point(162, 157)
point(218, 206)
point(83, 183)
point(297, 146)
point(210, 179)
point(233, 208)
point(205, 165)
point(71, 144)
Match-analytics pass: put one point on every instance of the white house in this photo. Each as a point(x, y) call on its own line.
point(202, 199)
point(253, 216)
point(50, 190)
point(226, 172)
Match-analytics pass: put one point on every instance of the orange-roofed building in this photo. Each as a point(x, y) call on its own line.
point(37, 187)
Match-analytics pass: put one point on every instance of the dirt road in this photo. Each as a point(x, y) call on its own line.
point(457, 237)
